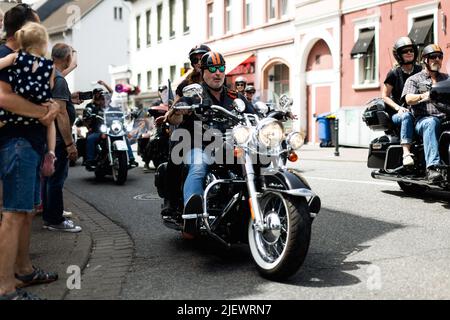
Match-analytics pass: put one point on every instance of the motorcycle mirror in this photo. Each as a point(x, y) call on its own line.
point(285, 103)
point(193, 90)
point(239, 105)
point(261, 107)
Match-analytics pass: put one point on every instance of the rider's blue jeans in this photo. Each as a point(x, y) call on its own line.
point(92, 142)
point(406, 123)
point(198, 164)
point(429, 129)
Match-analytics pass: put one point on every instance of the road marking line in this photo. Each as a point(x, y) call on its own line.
point(389, 184)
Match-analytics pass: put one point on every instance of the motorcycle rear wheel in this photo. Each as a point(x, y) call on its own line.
point(279, 254)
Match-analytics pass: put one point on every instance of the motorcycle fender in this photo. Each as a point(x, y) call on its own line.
point(291, 182)
point(120, 145)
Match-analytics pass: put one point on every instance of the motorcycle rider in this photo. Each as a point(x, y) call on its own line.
point(93, 123)
point(405, 53)
point(240, 84)
point(428, 114)
point(249, 93)
point(213, 76)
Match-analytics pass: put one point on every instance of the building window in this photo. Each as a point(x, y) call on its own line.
point(159, 14)
point(139, 80)
point(227, 18)
point(276, 9)
point(365, 54)
point(138, 32)
point(118, 13)
point(271, 9)
point(148, 24)
point(149, 80)
point(422, 31)
point(210, 16)
point(186, 22)
point(173, 73)
point(281, 79)
point(283, 7)
point(160, 76)
point(172, 17)
point(248, 13)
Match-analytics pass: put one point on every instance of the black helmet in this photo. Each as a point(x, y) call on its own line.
point(211, 59)
point(402, 43)
point(431, 48)
point(250, 89)
point(201, 49)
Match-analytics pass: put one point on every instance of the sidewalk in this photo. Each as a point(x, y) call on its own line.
point(103, 251)
point(346, 154)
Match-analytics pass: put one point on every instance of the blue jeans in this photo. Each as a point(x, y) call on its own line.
point(406, 123)
point(429, 129)
point(20, 173)
point(91, 142)
point(52, 188)
point(198, 164)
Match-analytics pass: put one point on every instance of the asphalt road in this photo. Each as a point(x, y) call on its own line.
point(370, 241)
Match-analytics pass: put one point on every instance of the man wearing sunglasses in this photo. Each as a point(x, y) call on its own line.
point(405, 53)
point(428, 114)
point(213, 69)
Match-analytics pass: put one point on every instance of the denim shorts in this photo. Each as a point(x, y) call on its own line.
point(20, 173)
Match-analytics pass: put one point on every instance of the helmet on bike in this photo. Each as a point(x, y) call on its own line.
point(431, 48)
point(201, 49)
point(400, 45)
point(212, 59)
point(250, 89)
point(240, 80)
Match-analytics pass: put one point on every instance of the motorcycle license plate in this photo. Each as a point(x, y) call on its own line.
point(120, 146)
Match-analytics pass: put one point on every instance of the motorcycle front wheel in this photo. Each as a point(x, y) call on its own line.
point(120, 168)
point(281, 250)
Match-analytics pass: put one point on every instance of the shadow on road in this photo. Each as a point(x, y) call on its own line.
point(432, 196)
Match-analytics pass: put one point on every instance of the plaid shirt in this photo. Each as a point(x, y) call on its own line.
point(421, 83)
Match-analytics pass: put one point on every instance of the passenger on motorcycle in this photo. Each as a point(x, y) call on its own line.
point(428, 114)
point(240, 84)
point(213, 76)
point(195, 56)
point(249, 93)
point(405, 52)
point(92, 115)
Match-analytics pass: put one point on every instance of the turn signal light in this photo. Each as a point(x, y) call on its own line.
point(238, 153)
point(293, 157)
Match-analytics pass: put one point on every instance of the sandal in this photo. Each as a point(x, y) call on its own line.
point(38, 276)
point(19, 295)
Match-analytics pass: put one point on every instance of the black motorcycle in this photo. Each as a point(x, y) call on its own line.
point(250, 200)
point(386, 153)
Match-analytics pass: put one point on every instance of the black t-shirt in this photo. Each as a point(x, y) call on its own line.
point(397, 78)
point(33, 133)
point(92, 122)
point(61, 92)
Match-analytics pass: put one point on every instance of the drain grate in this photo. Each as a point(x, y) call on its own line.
point(147, 197)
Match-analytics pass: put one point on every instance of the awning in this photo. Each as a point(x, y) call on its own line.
point(420, 30)
point(362, 45)
point(234, 61)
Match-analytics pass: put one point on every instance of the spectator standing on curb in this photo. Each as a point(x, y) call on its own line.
point(21, 148)
point(65, 148)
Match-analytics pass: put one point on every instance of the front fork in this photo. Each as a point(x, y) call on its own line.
point(255, 210)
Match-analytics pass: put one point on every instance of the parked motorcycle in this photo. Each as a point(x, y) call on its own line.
point(386, 153)
point(112, 151)
point(251, 200)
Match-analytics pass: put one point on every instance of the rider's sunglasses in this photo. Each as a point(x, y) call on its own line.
point(408, 50)
point(215, 68)
point(240, 84)
point(435, 56)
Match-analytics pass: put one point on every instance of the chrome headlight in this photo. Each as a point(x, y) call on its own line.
point(241, 134)
point(270, 133)
point(116, 126)
point(295, 140)
point(103, 128)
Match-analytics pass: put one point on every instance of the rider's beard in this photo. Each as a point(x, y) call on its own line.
point(435, 67)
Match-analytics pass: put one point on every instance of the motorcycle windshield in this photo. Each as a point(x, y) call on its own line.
point(113, 114)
